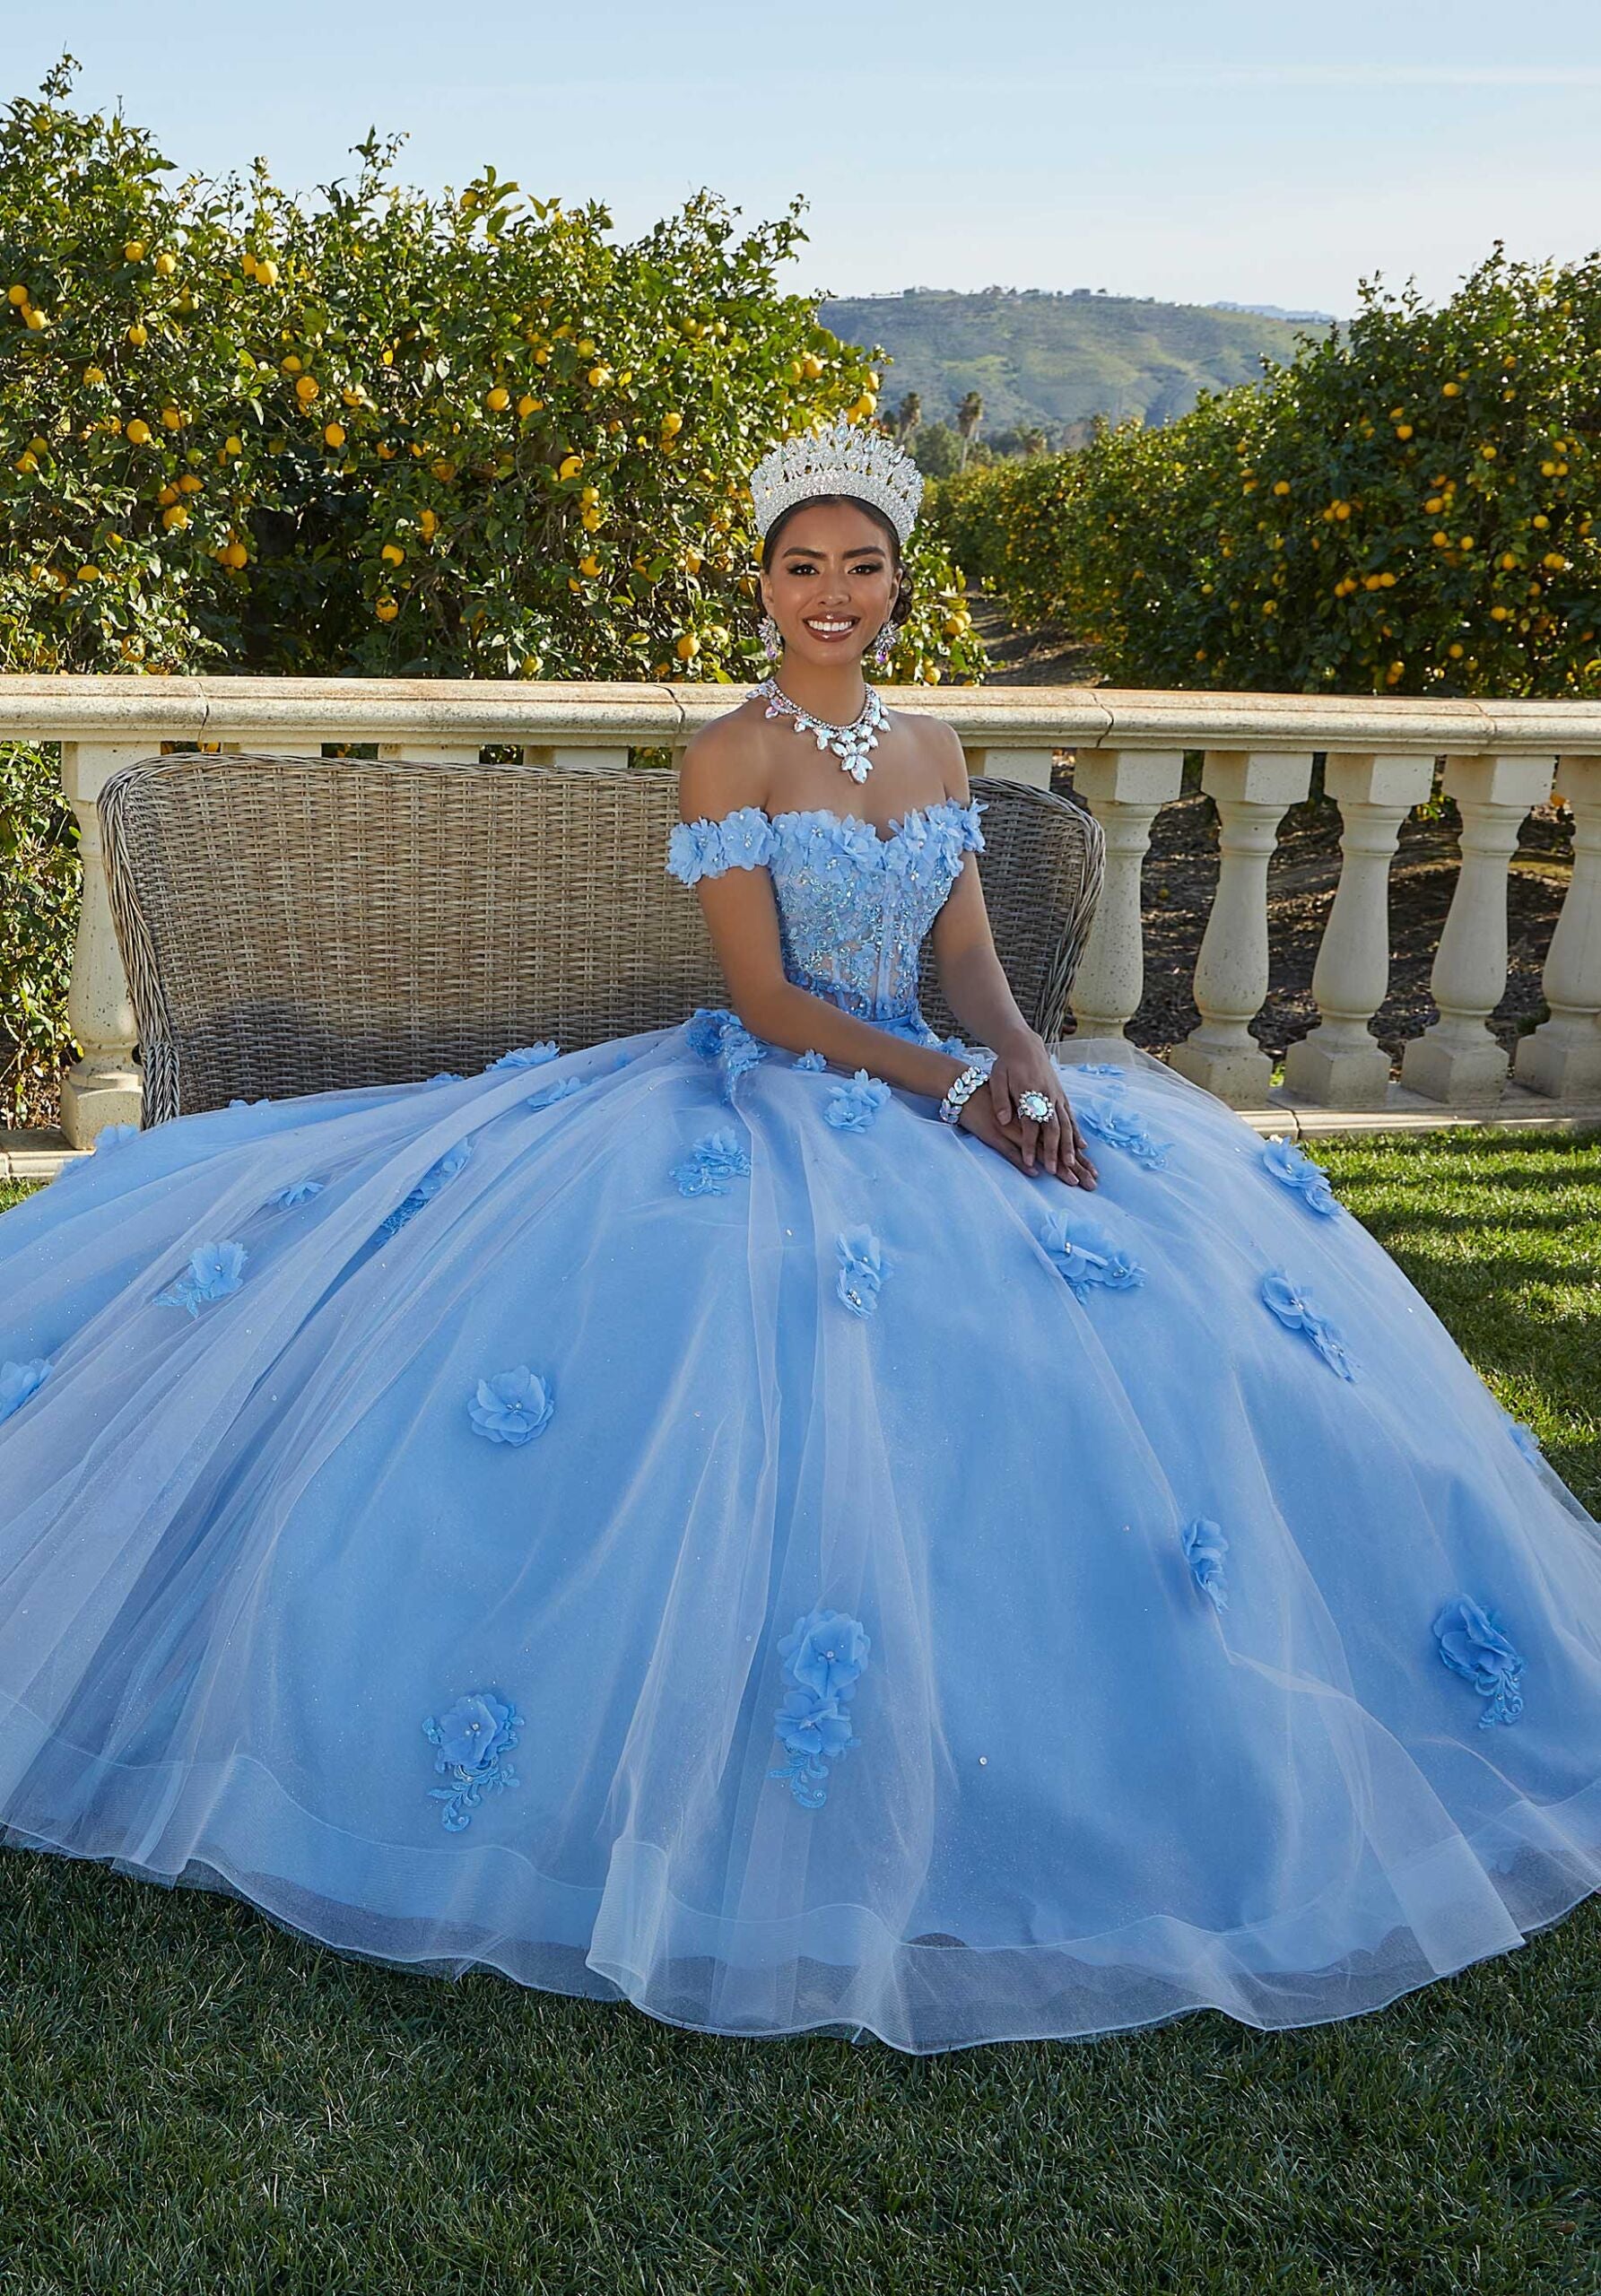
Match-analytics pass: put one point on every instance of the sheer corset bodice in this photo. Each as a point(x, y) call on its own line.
point(854, 908)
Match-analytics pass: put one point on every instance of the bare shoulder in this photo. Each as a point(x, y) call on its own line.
point(724, 765)
point(940, 745)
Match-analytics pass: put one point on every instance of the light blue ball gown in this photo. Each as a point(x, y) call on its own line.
point(676, 1521)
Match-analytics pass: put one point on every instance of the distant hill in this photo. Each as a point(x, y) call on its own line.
point(1054, 359)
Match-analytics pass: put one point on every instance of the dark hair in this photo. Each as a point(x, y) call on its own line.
point(881, 518)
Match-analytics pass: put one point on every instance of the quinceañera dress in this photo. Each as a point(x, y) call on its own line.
point(672, 1520)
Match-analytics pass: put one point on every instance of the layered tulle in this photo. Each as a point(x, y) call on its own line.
point(674, 1521)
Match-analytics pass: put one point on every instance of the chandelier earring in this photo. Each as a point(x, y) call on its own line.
point(883, 645)
point(772, 638)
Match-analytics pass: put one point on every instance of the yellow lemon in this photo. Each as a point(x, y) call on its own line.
point(1501, 614)
point(232, 445)
point(498, 400)
point(672, 424)
point(89, 573)
point(133, 251)
point(165, 265)
point(571, 466)
point(1456, 652)
point(1342, 509)
point(267, 273)
point(307, 388)
point(1281, 486)
point(384, 453)
point(692, 562)
point(191, 483)
point(443, 470)
point(590, 566)
point(1403, 430)
point(334, 434)
point(1465, 542)
point(235, 555)
point(1540, 520)
point(138, 336)
point(393, 554)
point(525, 405)
point(93, 375)
point(176, 517)
point(27, 461)
point(172, 418)
point(598, 377)
point(1555, 560)
point(138, 431)
point(687, 646)
point(386, 608)
point(291, 364)
point(1450, 390)
point(1434, 506)
point(429, 524)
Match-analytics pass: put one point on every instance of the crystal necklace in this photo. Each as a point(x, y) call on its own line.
point(850, 743)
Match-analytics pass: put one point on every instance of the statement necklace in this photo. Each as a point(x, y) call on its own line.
point(850, 743)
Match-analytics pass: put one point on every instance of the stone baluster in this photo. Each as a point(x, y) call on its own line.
point(104, 1087)
point(1338, 1063)
point(1123, 789)
point(1252, 789)
point(1563, 1055)
point(1032, 766)
point(1456, 1059)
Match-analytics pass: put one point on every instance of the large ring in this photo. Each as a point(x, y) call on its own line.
point(1037, 1107)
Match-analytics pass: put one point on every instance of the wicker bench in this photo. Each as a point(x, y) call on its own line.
point(291, 925)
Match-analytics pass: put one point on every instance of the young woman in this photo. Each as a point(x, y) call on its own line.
point(756, 1518)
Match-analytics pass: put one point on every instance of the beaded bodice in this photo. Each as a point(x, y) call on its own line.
point(853, 907)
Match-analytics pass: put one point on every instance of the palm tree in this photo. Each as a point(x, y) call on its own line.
point(908, 416)
point(968, 415)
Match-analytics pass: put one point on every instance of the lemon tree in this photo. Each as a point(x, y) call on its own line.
point(393, 433)
point(1409, 506)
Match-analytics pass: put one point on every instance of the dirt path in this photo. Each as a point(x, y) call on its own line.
point(1181, 875)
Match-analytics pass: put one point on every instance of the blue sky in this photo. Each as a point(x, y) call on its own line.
point(1223, 148)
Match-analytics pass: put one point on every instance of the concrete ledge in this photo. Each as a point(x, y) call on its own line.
point(40, 1155)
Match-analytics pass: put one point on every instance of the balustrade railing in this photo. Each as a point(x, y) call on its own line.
point(1501, 758)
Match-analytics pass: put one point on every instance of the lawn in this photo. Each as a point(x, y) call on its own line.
point(193, 2100)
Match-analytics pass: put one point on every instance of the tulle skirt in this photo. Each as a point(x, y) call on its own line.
point(673, 1522)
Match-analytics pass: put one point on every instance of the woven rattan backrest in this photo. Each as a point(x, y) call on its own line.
point(293, 924)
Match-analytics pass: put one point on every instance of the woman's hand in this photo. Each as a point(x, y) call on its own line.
point(1055, 1141)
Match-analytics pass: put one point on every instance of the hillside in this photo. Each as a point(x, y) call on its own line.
point(1056, 360)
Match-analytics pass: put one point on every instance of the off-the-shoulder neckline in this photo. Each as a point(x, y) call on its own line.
point(897, 822)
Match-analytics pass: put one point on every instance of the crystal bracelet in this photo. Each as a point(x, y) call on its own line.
point(960, 1093)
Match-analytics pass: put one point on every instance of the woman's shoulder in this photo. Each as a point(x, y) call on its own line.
point(939, 743)
point(722, 766)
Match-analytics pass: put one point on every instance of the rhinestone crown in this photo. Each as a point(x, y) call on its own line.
point(845, 459)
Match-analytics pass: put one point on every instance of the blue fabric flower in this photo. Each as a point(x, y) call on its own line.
point(1299, 1171)
point(512, 1406)
point(215, 1271)
point(18, 1381)
point(114, 1135)
point(562, 1089)
point(825, 1654)
point(1087, 1256)
point(1092, 1069)
point(445, 1076)
point(525, 1056)
point(1204, 1547)
point(741, 839)
point(715, 1158)
point(297, 1192)
point(471, 1741)
point(703, 1031)
point(432, 1181)
point(954, 1047)
point(1473, 1645)
point(1294, 1309)
point(854, 1103)
point(810, 1060)
point(264, 1103)
point(737, 1054)
point(1527, 1440)
point(1125, 1128)
point(862, 1269)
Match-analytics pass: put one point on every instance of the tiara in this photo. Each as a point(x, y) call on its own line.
point(842, 460)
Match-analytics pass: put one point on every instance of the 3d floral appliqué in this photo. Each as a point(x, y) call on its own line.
point(715, 1159)
point(297, 1192)
point(512, 1406)
point(526, 1055)
point(18, 1381)
point(471, 1741)
point(1204, 1547)
point(114, 1135)
point(1472, 1644)
point(1125, 1128)
point(824, 1655)
point(810, 1059)
point(862, 1269)
point(1087, 1256)
point(1294, 1309)
point(1301, 1173)
point(853, 1104)
point(562, 1089)
point(215, 1271)
point(432, 1181)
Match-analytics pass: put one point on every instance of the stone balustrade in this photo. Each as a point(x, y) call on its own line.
point(1500, 758)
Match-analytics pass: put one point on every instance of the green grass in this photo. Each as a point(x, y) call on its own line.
point(193, 2100)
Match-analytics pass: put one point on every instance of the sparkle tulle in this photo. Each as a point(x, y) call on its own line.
point(610, 1520)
